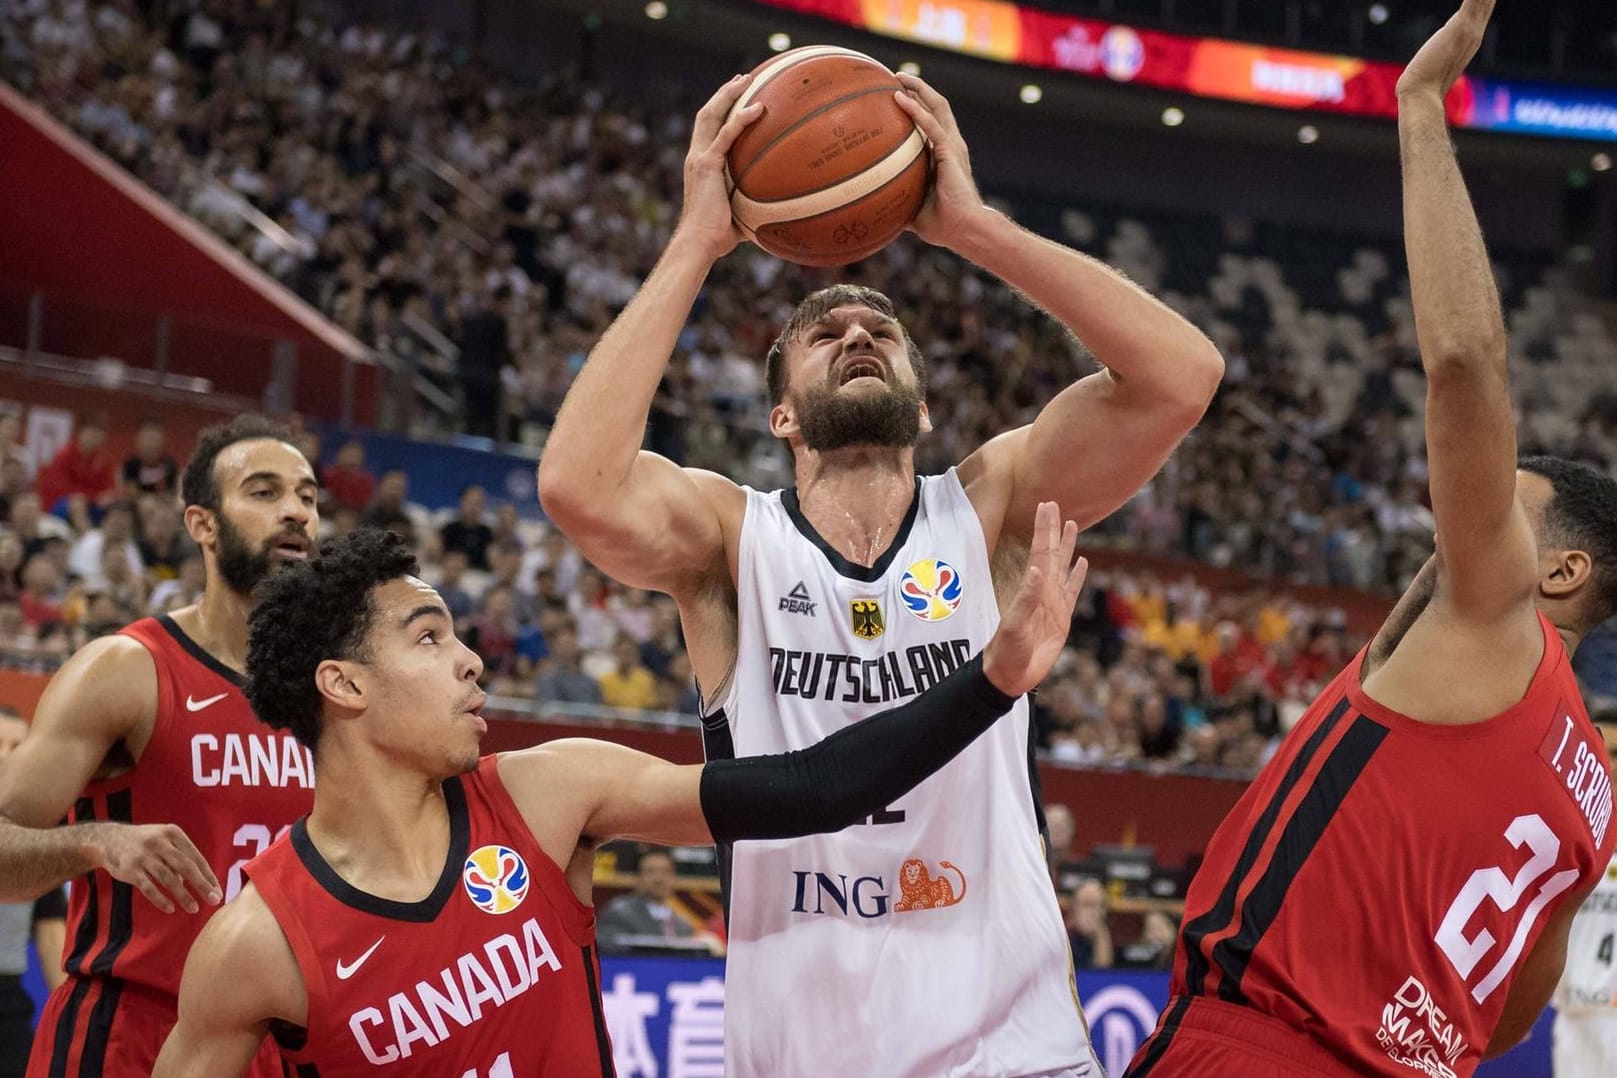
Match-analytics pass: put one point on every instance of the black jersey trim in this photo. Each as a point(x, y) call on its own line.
point(89, 929)
point(422, 912)
point(718, 743)
point(1223, 910)
point(98, 1032)
point(198, 652)
point(603, 1042)
point(1303, 831)
point(1162, 1040)
point(62, 1042)
point(843, 566)
point(289, 1035)
point(121, 903)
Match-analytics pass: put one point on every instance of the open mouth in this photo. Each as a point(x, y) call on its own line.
point(861, 367)
point(293, 546)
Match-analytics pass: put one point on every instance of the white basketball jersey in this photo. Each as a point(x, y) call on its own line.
point(1590, 979)
point(925, 942)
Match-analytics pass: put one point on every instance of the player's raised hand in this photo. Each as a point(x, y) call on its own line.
point(159, 860)
point(1034, 629)
point(954, 203)
point(705, 217)
point(1443, 59)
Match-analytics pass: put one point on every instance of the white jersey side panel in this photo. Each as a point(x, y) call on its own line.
point(1590, 979)
point(925, 943)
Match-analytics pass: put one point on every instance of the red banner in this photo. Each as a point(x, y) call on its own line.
point(1207, 67)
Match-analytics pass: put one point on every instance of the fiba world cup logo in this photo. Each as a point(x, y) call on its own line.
point(1122, 53)
point(496, 879)
point(931, 589)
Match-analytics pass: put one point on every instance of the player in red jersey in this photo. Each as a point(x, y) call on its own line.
point(1392, 896)
point(432, 915)
point(146, 744)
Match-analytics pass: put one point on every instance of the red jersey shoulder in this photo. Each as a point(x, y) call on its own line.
point(494, 961)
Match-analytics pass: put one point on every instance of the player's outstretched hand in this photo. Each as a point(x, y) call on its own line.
point(159, 860)
point(1034, 629)
point(705, 217)
point(1443, 59)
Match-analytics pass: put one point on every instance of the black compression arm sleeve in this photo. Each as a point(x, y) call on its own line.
point(855, 771)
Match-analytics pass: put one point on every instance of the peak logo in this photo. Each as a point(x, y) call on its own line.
point(797, 601)
point(868, 897)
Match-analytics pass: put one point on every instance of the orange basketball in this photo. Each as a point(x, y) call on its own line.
point(834, 169)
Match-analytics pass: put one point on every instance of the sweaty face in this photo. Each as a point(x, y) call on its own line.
point(424, 703)
point(267, 515)
point(854, 384)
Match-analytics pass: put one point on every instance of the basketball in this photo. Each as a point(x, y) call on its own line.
point(834, 169)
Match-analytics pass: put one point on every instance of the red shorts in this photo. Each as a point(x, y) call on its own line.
point(1208, 1038)
point(111, 1027)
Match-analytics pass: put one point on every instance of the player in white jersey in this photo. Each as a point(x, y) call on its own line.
point(1585, 1037)
point(925, 943)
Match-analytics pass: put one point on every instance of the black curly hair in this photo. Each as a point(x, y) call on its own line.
point(1582, 515)
point(313, 611)
point(198, 485)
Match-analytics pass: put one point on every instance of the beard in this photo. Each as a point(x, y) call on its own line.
point(240, 566)
point(831, 419)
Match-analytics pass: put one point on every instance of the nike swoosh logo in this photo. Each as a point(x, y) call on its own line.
point(193, 704)
point(347, 970)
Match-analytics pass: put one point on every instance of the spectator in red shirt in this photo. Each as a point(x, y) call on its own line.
point(345, 479)
point(38, 598)
point(83, 479)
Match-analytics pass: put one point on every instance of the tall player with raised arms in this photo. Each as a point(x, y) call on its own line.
point(806, 610)
point(1392, 895)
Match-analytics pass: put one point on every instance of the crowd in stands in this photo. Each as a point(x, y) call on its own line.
point(1160, 673)
point(485, 231)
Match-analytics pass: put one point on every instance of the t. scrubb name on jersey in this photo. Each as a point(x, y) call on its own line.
point(851, 679)
point(250, 760)
point(501, 970)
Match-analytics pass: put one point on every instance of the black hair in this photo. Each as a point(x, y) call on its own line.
point(198, 485)
point(313, 611)
point(1582, 515)
point(815, 307)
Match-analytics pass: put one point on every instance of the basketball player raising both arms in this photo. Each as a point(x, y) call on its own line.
point(1585, 1032)
point(928, 937)
point(1392, 894)
point(144, 741)
point(432, 916)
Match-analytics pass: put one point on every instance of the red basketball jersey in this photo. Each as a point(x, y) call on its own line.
point(493, 975)
point(232, 785)
point(1379, 885)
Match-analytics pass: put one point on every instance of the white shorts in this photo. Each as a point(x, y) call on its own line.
point(1585, 1044)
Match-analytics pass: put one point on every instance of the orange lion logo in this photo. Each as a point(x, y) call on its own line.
point(918, 889)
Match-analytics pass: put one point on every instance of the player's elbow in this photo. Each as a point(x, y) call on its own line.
point(567, 494)
point(1195, 379)
point(1464, 357)
point(1203, 374)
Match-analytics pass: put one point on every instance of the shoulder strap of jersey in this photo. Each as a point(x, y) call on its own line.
point(287, 888)
point(486, 795)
